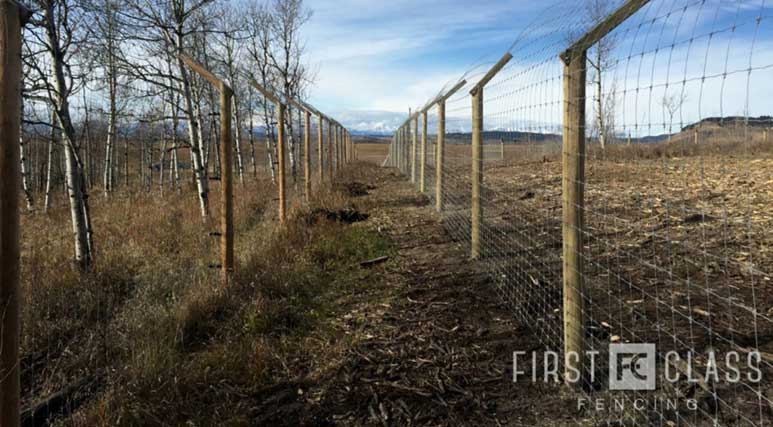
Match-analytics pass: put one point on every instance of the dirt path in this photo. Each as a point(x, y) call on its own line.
point(434, 347)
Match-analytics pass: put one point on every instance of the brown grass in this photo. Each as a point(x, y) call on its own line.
point(151, 329)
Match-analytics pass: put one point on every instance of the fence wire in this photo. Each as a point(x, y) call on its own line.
point(677, 191)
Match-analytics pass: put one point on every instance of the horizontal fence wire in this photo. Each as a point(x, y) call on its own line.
point(677, 184)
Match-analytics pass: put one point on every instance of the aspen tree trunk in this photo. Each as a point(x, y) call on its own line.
point(108, 178)
point(252, 146)
point(194, 133)
point(174, 103)
point(175, 170)
point(161, 168)
point(203, 142)
point(50, 163)
point(141, 163)
point(25, 185)
point(87, 138)
point(214, 135)
point(126, 161)
point(238, 140)
point(291, 148)
point(270, 145)
point(24, 179)
point(74, 176)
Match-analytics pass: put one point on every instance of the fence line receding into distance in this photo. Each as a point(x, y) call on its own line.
point(615, 179)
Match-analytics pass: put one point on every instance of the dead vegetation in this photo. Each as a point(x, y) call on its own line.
point(144, 339)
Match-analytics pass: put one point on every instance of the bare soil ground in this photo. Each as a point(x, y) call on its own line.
point(432, 346)
point(678, 248)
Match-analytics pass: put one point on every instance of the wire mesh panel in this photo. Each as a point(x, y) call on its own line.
point(675, 192)
point(677, 171)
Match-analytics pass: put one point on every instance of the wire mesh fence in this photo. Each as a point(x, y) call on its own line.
point(667, 105)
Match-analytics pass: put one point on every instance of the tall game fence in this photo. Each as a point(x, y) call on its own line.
point(613, 174)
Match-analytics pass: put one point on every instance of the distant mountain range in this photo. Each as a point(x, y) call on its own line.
point(384, 123)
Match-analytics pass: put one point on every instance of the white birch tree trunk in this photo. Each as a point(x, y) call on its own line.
point(194, 134)
point(238, 140)
point(24, 175)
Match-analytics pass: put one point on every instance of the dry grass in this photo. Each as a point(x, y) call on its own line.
point(151, 330)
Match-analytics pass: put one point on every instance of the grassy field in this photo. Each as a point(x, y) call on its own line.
point(143, 339)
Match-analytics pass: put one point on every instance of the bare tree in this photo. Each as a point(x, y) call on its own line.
point(258, 48)
point(106, 46)
point(671, 105)
point(51, 50)
point(600, 62)
point(288, 18)
point(231, 24)
point(164, 27)
point(24, 169)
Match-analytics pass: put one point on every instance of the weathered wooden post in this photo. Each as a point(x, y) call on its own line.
point(397, 148)
point(227, 183)
point(440, 145)
point(502, 149)
point(400, 135)
point(330, 144)
point(440, 152)
point(408, 148)
point(338, 146)
point(307, 153)
point(423, 154)
point(573, 188)
point(477, 172)
point(11, 21)
point(403, 155)
point(573, 164)
point(342, 142)
point(414, 131)
point(477, 154)
point(696, 135)
point(345, 143)
point(226, 169)
point(320, 155)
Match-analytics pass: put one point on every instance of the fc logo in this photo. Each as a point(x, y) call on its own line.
point(632, 367)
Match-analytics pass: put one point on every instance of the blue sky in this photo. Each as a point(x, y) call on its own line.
point(389, 55)
point(375, 59)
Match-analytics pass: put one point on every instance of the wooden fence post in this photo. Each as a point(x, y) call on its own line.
point(11, 21)
point(573, 182)
point(423, 154)
point(280, 148)
point(476, 209)
point(226, 183)
point(573, 187)
point(320, 156)
point(440, 153)
point(400, 136)
point(337, 152)
point(414, 130)
point(477, 172)
point(343, 146)
point(226, 167)
point(330, 149)
point(307, 153)
point(440, 145)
